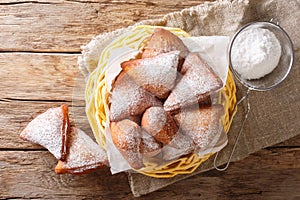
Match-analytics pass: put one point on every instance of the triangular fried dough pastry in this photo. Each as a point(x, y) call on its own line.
point(160, 124)
point(157, 75)
point(84, 155)
point(195, 86)
point(129, 99)
point(180, 145)
point(163, 41)
point(201, 124)
point(149, 146)
point(50, 130)
point(126, 136)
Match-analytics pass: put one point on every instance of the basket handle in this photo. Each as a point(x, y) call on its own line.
point(239, 134)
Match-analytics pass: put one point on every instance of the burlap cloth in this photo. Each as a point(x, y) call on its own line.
point(274, 115)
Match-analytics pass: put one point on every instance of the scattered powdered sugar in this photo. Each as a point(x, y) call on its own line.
point(181, 143)
point(255, 53)
point(129, 135)
point(163, 41)
point(46, 130)
point(160, 124)
point(154, 120)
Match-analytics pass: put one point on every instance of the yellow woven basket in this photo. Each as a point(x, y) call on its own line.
point(97, 103)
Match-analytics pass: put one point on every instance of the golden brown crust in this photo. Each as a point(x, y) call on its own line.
point(51, 130)
point(66, 129)
point(59, 169)
point(156, 75)
point(129, 99)
point(126, 136)
point(163, 41)
point(135, 118)
point(84, 155)
point(159, 124)
point(196, 84)
point(201, 124)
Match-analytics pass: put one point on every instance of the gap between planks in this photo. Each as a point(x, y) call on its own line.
point(272, 148)
point(43, 52)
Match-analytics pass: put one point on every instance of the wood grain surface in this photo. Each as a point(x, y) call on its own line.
point(39, 44)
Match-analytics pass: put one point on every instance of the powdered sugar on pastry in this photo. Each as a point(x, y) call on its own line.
point(83, 154)
point(160, 124)
point(126, 136)
point(163, 41)
point(149, 146)
point(197, 82)
point(157, 75)
point(180, 145)
point(128, 98)
point(200, 124)
point(50, 130)
point(170, 152)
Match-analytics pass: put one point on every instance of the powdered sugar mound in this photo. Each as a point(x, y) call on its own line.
point(49, 130)
point(84, 154)
point(255, 53)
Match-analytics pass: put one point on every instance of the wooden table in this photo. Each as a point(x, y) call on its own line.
point(39, 42)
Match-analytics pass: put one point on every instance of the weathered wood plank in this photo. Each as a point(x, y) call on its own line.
point(30, 175)
point(37, 76)
point(63, 26)
point(15, 115)
point(32, 83)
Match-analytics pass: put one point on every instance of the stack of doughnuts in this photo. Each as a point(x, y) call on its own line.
point(160, 105)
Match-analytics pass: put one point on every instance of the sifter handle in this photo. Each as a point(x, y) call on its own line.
point(239, 134)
